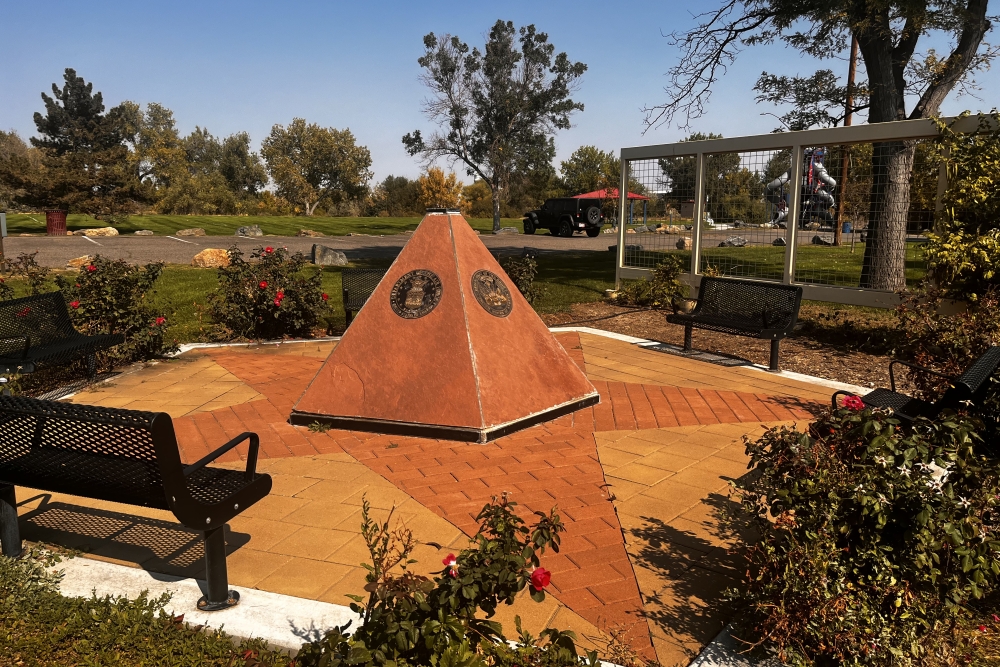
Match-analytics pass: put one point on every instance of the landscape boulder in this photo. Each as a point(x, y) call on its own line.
point(780, 241)
point(211, 258)
point(249, 230)
point(507, 230)
point(310, 233)
point(77, 262)
point(196, 231)
point(324, 256)
point(822, 239)
point(733, 242)
point(143, 232)
point(101, 231)
point(684, 243)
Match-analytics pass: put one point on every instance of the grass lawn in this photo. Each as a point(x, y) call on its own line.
point(820, 265)
point(225, 225)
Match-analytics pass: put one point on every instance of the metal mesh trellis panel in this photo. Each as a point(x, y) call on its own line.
point(662, 222)
point(742, 235)
point(883, 199)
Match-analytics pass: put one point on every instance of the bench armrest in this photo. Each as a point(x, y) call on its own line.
point(892, 376)
point(251, 455)
point(26, 339)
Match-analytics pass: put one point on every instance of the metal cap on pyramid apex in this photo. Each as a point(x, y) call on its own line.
point(443, 210)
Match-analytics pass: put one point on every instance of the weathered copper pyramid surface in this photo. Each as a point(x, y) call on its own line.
point(446, 347)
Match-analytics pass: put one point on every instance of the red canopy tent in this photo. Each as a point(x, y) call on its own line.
point(605, 194)
point(613, 194)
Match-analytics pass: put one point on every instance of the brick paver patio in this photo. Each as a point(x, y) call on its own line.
point(638, 479)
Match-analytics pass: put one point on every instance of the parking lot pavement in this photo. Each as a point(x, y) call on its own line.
point(55, 251)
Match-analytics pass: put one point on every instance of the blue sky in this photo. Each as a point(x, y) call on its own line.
point(232, 66)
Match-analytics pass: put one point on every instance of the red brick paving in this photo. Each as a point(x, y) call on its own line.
point(550, 465)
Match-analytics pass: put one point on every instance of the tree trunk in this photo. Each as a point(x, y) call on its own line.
point(310, 209)
point(884, 266)
point(496, 209)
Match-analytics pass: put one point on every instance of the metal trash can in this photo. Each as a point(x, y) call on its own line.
point(55, 223)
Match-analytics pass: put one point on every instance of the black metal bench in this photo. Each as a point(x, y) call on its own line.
point(37, 330)
point(358, 285)
point(124, 456)
point(743, 308)
point(969, 389)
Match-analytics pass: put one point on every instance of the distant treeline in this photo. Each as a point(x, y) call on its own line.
point(129, 160)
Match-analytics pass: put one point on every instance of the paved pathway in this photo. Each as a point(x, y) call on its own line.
point(638, 480)
point(56, 251)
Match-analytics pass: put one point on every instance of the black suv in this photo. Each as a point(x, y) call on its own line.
point(566, 215)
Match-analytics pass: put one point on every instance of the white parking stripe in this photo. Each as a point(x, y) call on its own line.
point(181, 240)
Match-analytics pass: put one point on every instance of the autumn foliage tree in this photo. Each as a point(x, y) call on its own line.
point(437, 190)
point(313, 165)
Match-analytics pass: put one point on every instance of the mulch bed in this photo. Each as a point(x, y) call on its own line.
point(801, 352)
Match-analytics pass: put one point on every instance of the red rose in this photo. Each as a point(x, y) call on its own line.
point(277, 302)
point(540, 578)
point(853, 402)
point(982, 628)
point(75, 304)
point(269, 249)
point(325, 296)
point(91, 268)
point(263, 284)
point(160, 321)
point(280, 294)
point(452, 564)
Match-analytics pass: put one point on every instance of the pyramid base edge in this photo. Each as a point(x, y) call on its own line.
point(438, 431)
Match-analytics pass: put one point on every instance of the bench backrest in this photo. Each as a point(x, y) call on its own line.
point(754, 303)
point(86, 450)
point(359, 284)
point(42, 319)
point(973, 383)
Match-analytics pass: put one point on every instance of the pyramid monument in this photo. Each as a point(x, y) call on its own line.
point(446, 347)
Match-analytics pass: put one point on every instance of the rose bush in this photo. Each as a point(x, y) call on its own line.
point(411, 620)
point(112, 296)
point(873, 538)
point(270, 296)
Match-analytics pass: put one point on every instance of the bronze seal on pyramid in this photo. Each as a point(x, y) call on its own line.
point(491, 293)
point(415, 294)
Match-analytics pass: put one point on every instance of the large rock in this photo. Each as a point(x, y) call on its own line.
point(733, 242)
point(780, 241)
point(323, 256)
point(822, 239)
point(507, 230)
point(211, 258)
point(101, 231)
point(77, 262)
point(249, 230)
point(143, 232)
point(310, 233)
point(196, 231)
point(684, 243)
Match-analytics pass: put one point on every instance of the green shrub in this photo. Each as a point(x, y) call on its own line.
point(523, 271)
point(39, 627)
point(874, 539)
point(660, 290)
point(27, 270)
point(111, 296)
point(271, 296)
point(410, 620)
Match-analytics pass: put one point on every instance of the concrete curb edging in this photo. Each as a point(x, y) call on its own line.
point(283, 621)
point(801, 377)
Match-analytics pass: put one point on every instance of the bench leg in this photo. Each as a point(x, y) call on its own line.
point(219, 596)
point(10, 536)
point(687, 338)
point(91, 366)
point(348, 316)
point(774, 354)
